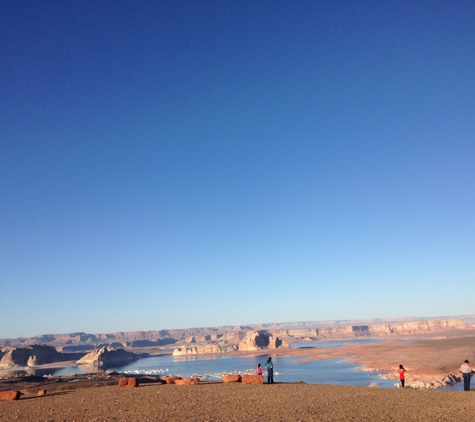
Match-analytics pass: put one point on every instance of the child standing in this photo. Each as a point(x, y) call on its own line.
point(259, 369)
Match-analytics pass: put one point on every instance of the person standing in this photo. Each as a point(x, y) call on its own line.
point(467, 373)
point(401, 371)
point(270, 371)
point(259, 369)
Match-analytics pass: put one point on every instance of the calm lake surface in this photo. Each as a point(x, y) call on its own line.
point(331, 371)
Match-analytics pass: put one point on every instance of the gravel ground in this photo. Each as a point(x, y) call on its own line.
point(238, 402)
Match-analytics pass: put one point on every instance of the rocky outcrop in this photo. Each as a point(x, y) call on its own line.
point(403, 328)
point(261, 340)
point(234, 336)
point(425, 382)
point(197, 350)
point(417, 327)
point(34, 355)
point(255, 340)
point(109, 356)
point(377, 330)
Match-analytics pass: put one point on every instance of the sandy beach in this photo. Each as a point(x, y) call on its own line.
point(238, 402)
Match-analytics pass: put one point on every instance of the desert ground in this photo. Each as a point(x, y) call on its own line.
point(242, 402)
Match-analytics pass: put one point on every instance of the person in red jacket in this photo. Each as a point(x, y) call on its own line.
point(401, 371)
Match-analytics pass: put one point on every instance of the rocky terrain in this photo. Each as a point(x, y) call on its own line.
point(242, 402)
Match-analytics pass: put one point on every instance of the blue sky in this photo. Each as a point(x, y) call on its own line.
point(199, 163)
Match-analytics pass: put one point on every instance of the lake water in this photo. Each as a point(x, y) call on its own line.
point(213, 367)
point(331, 371)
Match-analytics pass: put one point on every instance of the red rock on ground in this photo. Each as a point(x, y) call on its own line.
point(171, 380)
point(132, 382)
point(128, 382)
point(183, 382)
point(252, 379)
point(9, 395)
point(191, 381)
point(41, 393)
point(231, 378)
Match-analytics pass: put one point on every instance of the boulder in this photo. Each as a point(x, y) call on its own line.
point(9, 395)
point(231, 378)
point(128, 382)
point(252, 379)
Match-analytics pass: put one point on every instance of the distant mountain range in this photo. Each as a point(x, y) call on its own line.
point(291, 331)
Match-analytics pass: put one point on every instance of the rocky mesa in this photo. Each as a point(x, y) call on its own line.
point(254, 340)
point(109, 356)
point(34, 355)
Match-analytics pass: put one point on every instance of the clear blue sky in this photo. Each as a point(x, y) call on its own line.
point(174, 164)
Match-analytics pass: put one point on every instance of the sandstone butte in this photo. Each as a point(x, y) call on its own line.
point(31, 355)
point(109, 356)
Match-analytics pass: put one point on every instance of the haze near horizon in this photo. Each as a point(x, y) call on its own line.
point(189, 164)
